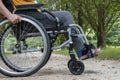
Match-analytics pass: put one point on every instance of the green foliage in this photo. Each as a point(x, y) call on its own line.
point(107, 53)
point(60, 39)
point(98, 15)
point(110, 53)
point(62, 51)
point(113, 38)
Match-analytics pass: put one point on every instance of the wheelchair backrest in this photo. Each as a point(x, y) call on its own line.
point(8, 4)
point(41, 17)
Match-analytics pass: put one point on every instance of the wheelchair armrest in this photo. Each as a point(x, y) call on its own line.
point(30, 6)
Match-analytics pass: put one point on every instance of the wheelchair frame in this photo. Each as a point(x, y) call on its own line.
point(69, 41)
point(73, 62)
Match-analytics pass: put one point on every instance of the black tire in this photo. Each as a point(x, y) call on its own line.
point(76, 67)
point(35, 27)
point(69, 62)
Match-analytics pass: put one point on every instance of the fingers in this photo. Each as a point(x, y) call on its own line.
point(16, 21)
point(15, 18)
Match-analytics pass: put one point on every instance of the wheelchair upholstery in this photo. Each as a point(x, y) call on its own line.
point(8, 5)
point(41, 17)
point(32, 10)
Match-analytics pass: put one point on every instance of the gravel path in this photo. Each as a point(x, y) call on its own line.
point(56, 69)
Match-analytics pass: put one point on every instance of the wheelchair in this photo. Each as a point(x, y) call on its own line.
point(26, 47)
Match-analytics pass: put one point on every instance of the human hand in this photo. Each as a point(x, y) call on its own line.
point(14, 18)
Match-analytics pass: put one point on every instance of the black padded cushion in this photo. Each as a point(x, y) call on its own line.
point(8, 4)
point(41, 17)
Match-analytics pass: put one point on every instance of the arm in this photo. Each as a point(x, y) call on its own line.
point(12, 17)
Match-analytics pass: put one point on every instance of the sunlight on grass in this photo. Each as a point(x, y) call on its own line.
point(61, 51)
point(110, 53)
point(107, 53)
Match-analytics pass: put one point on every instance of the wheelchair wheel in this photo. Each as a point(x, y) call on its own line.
point(76, 67)
point(24, 47)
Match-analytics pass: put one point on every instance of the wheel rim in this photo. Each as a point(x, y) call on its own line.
point(76, 67)
point(15, 63)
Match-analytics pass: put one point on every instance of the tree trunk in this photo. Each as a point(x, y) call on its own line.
point(101, 34)
point(80, 22)
point(101, 39)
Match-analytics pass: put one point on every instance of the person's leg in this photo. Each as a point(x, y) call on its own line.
point(83, 50)
point(66, 18)
point(78, 45)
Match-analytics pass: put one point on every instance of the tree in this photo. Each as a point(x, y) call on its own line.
point(113, 38)
point(99, 15)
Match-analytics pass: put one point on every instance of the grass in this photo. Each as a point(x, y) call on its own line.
point(62, 51)
point(107, 53)
point(110, 53)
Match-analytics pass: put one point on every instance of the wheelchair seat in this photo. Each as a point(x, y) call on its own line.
point(41, 17)
point(32, 10)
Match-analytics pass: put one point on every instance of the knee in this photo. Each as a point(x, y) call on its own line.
point(66, 12)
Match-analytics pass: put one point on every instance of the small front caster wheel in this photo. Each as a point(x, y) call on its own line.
point(76, 67)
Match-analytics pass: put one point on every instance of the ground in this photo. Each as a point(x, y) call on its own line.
point(56, 69)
